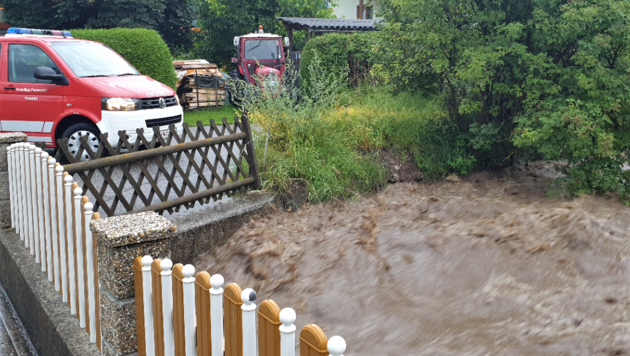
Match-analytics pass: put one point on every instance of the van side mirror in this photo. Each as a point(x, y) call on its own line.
point(47, 73)
point(235, 60)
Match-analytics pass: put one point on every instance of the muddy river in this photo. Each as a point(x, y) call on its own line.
point(488, 265)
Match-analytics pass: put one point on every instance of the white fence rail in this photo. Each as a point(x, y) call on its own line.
point(52, 218)
point(199, 317)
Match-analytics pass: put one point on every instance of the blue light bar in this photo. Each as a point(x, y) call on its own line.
point(29, 31)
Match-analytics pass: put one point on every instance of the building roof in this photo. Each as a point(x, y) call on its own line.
point(299, 23)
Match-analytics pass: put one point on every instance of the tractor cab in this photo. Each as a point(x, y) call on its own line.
point(260, 56)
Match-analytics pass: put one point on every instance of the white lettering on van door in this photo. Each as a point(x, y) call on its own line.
point(34, 90)
point(31, 98)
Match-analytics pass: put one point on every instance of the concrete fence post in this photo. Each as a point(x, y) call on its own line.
point(287, 332)
point(249, 322)
point(336, 346)
point(120, 240)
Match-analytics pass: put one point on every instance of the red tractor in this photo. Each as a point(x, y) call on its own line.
point(261, 58)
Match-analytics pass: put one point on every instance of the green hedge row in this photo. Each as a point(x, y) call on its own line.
point(338, 53)
point(143, 48)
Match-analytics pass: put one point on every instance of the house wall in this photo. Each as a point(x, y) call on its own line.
point(348, 8)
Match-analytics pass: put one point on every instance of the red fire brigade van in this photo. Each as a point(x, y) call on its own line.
point(54, 86)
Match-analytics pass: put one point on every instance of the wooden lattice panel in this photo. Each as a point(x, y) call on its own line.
point(165, 171)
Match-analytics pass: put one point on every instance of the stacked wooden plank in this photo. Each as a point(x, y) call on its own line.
point(200, 84)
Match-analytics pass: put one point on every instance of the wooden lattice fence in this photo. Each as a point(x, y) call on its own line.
point(165, 170)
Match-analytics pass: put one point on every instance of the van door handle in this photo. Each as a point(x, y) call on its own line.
point(9, 88)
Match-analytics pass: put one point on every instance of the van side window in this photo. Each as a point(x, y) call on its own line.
point(23, 59)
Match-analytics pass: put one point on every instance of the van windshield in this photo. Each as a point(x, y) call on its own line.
point(90, 59)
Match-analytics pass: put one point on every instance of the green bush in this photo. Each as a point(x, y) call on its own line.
point(143, 48)
point(339, 54)
point(303, 138)
point(521, 78)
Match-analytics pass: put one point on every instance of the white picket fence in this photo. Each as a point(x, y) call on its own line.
point(52, 218)
point(194, 330)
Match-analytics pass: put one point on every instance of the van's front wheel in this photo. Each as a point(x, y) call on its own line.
point(75, 132)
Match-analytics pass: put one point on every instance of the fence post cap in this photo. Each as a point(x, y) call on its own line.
point(12, 137)
point(88, 207)
point(44, 155)
point(216, 281)
point(287, 317)
point(78, 191)
point(146, 261)
point(188, 271)
point(248, 296)
point(59, 169)
point(166, 265)
point(38, 150)
point(31, 147)
point(52, 160)
point(68, 179)
point(336, 345)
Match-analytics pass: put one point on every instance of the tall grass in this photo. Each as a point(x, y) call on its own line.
point(330, 138)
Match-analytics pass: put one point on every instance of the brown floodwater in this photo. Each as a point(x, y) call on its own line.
point(488, 265)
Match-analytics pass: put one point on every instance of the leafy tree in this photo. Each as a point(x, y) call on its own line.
point(176, 24)
point(222, 20)
point(172, 18)
point(542, 76)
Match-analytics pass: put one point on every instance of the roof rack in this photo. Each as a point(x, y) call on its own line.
point(15, 31)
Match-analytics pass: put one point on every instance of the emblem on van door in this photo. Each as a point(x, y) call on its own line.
point(162, 103)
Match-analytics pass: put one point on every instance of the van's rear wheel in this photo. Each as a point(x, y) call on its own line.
point(75, 132)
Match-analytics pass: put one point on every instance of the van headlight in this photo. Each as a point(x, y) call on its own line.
point(120, 104)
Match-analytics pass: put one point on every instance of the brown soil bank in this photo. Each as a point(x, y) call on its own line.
point(485, 266)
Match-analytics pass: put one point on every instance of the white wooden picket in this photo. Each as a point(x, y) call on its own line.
point(48, 216)
point(336, 346)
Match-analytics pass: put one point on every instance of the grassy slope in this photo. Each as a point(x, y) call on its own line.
point(228, 111)
point(338, 155)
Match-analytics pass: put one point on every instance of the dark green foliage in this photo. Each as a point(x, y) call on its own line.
point(222, 20)
point(521, 77)
point(172, 18)
point(339, 53)
point(332, 50)
point(143, 48)
point(176, 25)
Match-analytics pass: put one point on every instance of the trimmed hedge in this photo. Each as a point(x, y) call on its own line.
point(338, 53)
point(143, 48)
